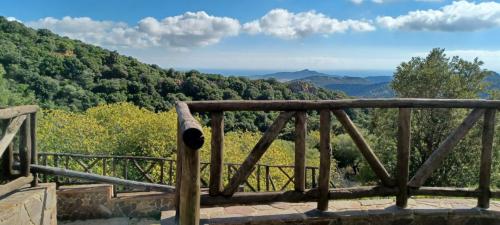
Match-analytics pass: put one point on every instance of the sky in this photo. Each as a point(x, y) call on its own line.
point(273, 35)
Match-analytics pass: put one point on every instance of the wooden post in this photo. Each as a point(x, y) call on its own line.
point(178, 172)
point(403, 156)
point(34, 150)
point(162, 171)
point(365, 149)
point(229, 172)
point(56, 164)
point(267, 177)
point(483, 200)
point(113, 172)
point(66, 165)
point(45, 177)
point(325, 159)
point(6, 159)
point(438, 155)
point(190, 139)
point(104, 166)
point(125, 169)
point(170, 172)
point(190, 191)
point(300, 151)
point(313, 176)
point(25, 147)
point(257, 177)
point(216, 154)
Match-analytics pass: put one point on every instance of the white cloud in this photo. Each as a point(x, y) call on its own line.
point(429, 0)
point(104, 33)
point(458, 16)
point(287, 25)
point(10, 18)
point(357, 2)
point(190, 29)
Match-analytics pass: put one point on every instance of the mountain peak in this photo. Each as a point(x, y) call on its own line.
point(287, 76)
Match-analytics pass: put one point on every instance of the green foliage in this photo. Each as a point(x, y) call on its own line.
point(346, 153)
point(435, 76)
point(125, 129)
point(68, 74)
point(11, 95)
point(119, 129)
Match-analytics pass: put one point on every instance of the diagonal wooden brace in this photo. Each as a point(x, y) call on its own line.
point(260, 148)
point(364, 148)
point(444, 149)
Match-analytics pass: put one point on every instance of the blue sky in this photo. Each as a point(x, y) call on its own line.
point(325, 35)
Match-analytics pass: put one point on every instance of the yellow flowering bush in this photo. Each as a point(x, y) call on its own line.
point(125, 129)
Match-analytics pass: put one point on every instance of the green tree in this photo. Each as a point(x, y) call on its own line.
point(435, 76)
point(346, 153)
point(11, 94)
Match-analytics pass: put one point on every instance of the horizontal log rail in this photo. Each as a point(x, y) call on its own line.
point(11, 112)
point(460, 192)
point(113, 165)
point(100, 178)
point(301, 105)
point(400, 185)
point(155, 170)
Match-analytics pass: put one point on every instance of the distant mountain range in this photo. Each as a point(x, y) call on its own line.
point(374, 86)
point(370, 86)
point(288, 76)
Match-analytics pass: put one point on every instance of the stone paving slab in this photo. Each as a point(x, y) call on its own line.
point(367, 211)
point(112, 221)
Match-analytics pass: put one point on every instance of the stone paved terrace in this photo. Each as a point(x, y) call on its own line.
point(449, 211)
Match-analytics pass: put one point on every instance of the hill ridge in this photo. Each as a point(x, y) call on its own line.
point(65, 73)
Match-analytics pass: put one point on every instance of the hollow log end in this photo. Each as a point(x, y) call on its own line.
point(193, 138)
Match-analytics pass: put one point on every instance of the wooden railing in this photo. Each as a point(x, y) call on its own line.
point(191, 139)
point(20, 157)
point(137, 168)
point(18, 132)
point(162, 171)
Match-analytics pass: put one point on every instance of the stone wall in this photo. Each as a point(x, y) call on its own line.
point(34, 206)
point(97, 201)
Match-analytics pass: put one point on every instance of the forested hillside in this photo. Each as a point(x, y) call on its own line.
point(65, 73)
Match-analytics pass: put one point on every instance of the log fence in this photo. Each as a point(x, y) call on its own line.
point(23, 165)
point(159, 170)
point(401, 185)
point(20, 157)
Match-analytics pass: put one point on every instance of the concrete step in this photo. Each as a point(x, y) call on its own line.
point(369, 211)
